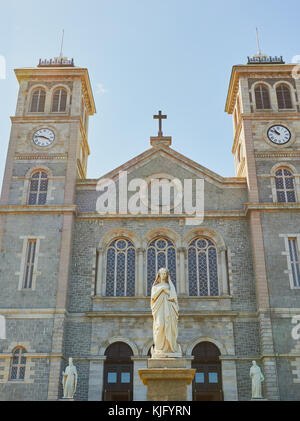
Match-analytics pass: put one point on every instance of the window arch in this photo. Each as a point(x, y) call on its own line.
point(38, 99)
point(120, 269)
point(285, 186)
point(161, 253)
point(284, 96)
point(262, 97)
point(18, 364)
point(203, 268)
point(38, 188)
point(59, 101)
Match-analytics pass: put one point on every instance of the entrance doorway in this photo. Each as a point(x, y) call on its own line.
point(118, 373)
point(207, 384)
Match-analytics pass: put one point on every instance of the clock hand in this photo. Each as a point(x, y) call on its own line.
point(277, 132)
point(43, 137)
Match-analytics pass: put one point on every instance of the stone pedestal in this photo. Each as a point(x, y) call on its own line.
point(259, 400)
point(167, 379)
point(67, 400)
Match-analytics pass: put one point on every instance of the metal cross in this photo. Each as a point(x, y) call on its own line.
point(160, 117)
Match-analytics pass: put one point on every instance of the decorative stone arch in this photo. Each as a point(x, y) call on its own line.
point(222, 255)
point(29, 96)
point(291, 88)
point(293, 170)
point(204, 232)
point(147, 347)
point(272, 94)
point(26, 186)
point(69, 94)
point(198, 341)
point(161, 232)
point(115, 339)
point(119, 233)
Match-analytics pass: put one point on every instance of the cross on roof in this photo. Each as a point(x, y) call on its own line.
point(160, 117)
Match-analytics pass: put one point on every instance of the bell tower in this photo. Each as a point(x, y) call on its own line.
point(263, 99)
point(48, 152)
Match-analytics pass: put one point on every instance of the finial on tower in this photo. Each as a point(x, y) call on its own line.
point(62, 44)
point(258, 45)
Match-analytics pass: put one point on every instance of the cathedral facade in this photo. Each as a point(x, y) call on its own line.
point(75, 282)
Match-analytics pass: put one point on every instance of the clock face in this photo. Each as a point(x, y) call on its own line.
point(43, 137)
point(279, 135)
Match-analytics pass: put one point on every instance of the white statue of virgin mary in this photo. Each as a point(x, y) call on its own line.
point(164, 306)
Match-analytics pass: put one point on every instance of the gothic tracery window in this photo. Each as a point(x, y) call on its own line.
point(38, 100)
point(18, 365)
point(38, 188)
point(203, 268)
point(120, 269)
point(262, 97)
point(285, 186)
point(59, 103)
point(160, 254)
point(283, 96)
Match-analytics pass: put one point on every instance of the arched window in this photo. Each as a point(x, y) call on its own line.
point(203, 268)
point(118, 373)
point(120, 269)
point(59, 102)
point(262, 97)
point(18, 365)
point(284, 97)
point(285, 186)
point(38, 188)
point(160, 254)
point(38, 100)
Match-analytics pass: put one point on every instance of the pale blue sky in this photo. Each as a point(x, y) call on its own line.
point(144, 56)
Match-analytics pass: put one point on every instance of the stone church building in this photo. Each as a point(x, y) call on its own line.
point(76, 283)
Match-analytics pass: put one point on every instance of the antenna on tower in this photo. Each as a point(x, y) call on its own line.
point(258, 44)
point(62, 44)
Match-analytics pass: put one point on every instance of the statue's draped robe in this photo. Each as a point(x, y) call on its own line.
point(70, 382)
point(165, 317)
point(257, 378)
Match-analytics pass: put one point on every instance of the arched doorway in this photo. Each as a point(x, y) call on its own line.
point(207, 384)
point(118, 373)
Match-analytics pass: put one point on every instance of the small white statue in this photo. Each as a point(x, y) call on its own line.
point(257, 379)
point(69, 380)
point(164, 306)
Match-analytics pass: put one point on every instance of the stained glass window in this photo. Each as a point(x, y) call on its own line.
point(38, 188)
point(203, 268)
point(285, 186)
point(120, 269)
point(18, 365)
point(294, 260)
point(160, 254)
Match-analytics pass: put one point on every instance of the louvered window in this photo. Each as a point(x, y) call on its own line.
point(38, 100)
point(262, 97)
point(59, 103)
point(38, 188)
point(283, 97)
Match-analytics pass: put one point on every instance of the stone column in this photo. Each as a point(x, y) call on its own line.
point(225, 289)
point(229, 380)
point(100, 256)
point(141, 287)
point(182, 287)
point(139, 390)
point(96, 379)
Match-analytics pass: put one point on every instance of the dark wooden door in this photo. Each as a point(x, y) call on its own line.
point(207, 384)
point(118, 374)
